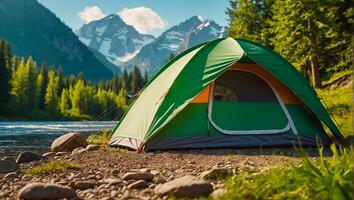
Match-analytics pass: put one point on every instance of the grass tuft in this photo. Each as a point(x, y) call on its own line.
point(324, 178)
point(101, 138)
point(51, 167)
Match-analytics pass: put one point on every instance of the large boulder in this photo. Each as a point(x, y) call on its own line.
point(28, 156)
point(185, 187)
point(7, 166)
point(68, 142)
point(33, 191)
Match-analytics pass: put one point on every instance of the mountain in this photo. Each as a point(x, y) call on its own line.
point(113, 38)
point(191, 32)
point(33, 30)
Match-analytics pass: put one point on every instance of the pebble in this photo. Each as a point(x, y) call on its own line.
point(139, 184)
point(138, 176)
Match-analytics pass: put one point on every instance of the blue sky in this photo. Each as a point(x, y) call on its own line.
point(164, 13)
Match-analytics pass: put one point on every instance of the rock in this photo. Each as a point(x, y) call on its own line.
point(138, 184)
point(11, 175)
point(28, 156)
point(46, 191)
point(112, 181)
point(114, 193)
point(217, 194)
point(115, 172)
point(138, 176)
point(68, 142)
point(78, 151)
point(159, 179)
point(145, 170)
point(61, 153)
point(92, 147)
point(7, 166)
point(82, 185)
point(185, 187)
point(216, 174)
point(48, 154)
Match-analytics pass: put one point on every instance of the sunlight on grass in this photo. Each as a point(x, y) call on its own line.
point(101, 138)
point(339, 104)
point(51, 167)
point(324, 178)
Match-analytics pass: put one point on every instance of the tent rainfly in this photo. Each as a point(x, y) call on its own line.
point(227, 93)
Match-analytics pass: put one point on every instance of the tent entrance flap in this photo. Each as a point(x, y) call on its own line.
point(243, 103)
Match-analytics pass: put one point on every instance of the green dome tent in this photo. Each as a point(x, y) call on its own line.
point(226, 93)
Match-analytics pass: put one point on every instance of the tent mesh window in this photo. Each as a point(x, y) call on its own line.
point(241, 86)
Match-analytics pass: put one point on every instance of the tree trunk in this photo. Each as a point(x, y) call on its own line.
point(316, 82)
point(314, 72)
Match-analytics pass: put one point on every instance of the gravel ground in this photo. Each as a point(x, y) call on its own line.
point(104, 169)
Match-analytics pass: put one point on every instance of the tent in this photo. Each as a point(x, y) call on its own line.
point(227, 93)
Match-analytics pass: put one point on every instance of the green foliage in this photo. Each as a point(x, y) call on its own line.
point(324, 178)
point(101, 138)
point(314, 35)
point(249, 20)
point(49, 95)
point(339, 103)
point(5, 75)
point(52, 167)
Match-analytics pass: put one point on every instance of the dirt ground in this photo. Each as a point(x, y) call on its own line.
point(102, 164)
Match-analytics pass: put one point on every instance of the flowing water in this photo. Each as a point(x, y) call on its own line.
point(37, 136)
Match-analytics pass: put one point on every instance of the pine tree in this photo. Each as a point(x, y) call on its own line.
point(65, 101)
point(249, 20)
point(300, 29)
point(136, 81)
point(124, 80)
point(33, 90)
point(60, 80)
point(115, 84)
point(77, 98)
point(5, 75)
point(19, 87)
point(51, 96)
point(42, 84)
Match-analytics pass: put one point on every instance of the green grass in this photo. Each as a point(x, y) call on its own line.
point(324, 178)
point(339, 103)
point(51, 167)
point(101, 138)
point(337, 76)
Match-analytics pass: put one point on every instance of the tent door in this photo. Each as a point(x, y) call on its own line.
point(241, 102)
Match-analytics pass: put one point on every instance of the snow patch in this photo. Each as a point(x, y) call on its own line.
point(173, 35)
point(127, 57)
point(201, 18)
point(105, 47)
point(171, 47)
point(86, 41)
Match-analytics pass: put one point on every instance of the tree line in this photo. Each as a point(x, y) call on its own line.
point(316, 36)
point(29, 92)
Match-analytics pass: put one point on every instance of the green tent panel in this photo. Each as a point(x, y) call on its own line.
point(163, 116)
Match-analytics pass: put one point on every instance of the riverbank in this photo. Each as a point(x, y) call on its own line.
point(106, 164)
point(110, 173)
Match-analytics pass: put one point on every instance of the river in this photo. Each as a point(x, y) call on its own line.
point(37, 136)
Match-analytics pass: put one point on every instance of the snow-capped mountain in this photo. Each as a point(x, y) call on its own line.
point(125, 47)
point(113, 38)
point(191, 32)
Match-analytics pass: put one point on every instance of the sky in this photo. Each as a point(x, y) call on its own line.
point(147, 16)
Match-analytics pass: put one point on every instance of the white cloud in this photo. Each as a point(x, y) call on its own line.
point(91, 13)
point(142, 19)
